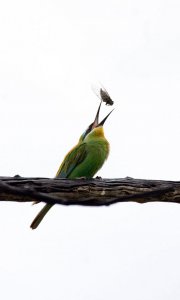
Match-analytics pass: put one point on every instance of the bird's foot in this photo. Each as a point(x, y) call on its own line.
point(99, 177)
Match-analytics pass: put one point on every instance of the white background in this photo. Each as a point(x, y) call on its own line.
point(50, 54)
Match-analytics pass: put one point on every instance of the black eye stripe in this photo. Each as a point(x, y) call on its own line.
point(88, 130)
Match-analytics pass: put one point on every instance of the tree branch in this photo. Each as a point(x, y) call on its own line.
point(94, 192)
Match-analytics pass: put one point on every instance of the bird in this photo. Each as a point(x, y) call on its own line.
point(83, 160)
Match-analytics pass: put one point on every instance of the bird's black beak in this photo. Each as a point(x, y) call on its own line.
point(95, 123)
point(103, 121)
point(96, 120)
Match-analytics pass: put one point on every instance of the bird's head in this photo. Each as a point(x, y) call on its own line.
point(95, 128)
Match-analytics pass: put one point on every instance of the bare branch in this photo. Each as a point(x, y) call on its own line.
point(94, 192)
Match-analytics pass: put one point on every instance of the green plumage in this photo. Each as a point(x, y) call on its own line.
point(84, 160)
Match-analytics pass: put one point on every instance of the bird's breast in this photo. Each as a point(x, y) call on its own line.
point(97, 153)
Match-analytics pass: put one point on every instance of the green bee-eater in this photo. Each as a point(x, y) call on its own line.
point(84, 160)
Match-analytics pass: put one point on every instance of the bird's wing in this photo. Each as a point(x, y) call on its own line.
point(72, 160)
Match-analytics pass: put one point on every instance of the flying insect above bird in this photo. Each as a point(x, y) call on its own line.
point(83, 160)
point(102, 94)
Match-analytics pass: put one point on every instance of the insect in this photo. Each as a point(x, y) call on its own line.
point(103, 95)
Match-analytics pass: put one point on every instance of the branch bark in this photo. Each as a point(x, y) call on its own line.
point(94, 192)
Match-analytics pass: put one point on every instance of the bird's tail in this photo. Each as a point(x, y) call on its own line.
point(40, 216)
